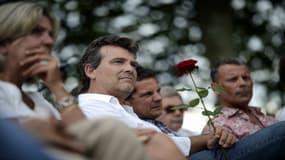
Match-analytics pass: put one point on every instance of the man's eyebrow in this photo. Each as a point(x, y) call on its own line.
point(145, 93)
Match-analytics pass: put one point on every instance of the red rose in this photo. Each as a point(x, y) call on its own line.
point(186, 66)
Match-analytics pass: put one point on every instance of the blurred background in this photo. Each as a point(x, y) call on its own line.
point(169, 31)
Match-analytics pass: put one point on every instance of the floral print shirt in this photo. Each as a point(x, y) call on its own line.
point(238, 122)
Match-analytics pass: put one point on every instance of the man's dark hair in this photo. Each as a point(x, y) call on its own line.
point(92, 55)
point(215, 69)
point(144, 73)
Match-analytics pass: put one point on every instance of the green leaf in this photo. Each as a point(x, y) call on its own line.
point(207, 113)
point(218, 110)
point(218, 89)
point(194, 102)
point(184, 89)
point(182, 106)
point(203, 93)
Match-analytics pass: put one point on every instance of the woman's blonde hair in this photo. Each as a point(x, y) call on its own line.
point(20, 18)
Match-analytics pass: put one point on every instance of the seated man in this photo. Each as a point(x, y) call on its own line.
point(172, 118)
point(236, 116)
point(146, 102)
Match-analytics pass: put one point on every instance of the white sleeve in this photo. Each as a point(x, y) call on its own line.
point(281, 116)
point(183, 143)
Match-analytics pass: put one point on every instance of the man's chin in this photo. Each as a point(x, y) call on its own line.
point(128, 88)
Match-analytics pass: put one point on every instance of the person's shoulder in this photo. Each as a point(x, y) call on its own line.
point(9, 90)
point(281, 116)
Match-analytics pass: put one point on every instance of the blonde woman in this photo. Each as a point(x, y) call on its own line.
point(28, 33)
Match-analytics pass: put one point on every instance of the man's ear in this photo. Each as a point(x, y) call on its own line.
point(215, 85)
point(90, 71)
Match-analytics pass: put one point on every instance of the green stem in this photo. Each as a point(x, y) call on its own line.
point(202, 101)
point(209, 118)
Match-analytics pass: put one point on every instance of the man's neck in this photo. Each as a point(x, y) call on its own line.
point(243, 107)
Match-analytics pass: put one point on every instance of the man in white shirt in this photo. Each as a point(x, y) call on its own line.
point(109, 75)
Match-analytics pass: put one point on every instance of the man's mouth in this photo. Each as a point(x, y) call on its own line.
point(127, 78)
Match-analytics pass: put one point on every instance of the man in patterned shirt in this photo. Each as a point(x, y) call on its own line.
point(236, 116)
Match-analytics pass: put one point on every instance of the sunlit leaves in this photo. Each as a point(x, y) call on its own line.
point(217, 110)
point(203, 93)
point(207, 113)
point(194, 102)
point(182, 106)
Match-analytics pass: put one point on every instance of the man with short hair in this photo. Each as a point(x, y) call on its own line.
point(237, 116)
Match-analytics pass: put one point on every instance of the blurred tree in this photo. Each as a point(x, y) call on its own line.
point(172, 30)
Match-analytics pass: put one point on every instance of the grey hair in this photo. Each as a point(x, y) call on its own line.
point(168, 91)
point(214, 71)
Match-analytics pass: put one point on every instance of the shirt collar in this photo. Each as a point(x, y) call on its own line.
point(101, 97)
point(229, 111)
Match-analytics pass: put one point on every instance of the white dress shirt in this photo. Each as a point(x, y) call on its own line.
point(96, 106)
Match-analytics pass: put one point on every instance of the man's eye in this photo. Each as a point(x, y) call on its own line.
point(231, 79)
point(118, 61)
point(147, 94)
point(134, 64)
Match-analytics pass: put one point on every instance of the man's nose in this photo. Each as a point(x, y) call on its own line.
point(242, 81)
point(130, 67)
point(157, 96)
point(178, 111)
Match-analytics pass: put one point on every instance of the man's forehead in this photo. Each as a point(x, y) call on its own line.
point(172, 100)
point(146, 86)
point(147, 82)
point(233, 68)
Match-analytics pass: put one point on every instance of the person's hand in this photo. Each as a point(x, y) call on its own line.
point(53, 132)
point(39, 63)
point(221, 137)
